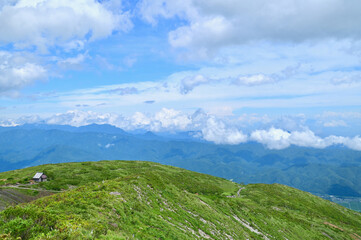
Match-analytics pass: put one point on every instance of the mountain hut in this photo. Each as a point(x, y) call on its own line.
point(40, 177)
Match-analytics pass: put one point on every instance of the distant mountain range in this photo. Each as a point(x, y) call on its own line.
point(333, 170)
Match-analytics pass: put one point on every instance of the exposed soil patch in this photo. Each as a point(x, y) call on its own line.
point(332, 225)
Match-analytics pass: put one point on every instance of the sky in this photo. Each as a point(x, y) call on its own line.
point(282, 72)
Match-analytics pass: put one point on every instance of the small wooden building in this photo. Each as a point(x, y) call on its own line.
point(40, 177)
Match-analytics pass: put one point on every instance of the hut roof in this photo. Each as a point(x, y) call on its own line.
point(38, 175)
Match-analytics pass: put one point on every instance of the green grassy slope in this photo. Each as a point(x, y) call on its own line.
point(144, 200)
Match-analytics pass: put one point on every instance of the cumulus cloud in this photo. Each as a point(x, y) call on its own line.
point(44, 23)
point(170, 119)
point(307, 139)
point(202, 125)
point(16, 72)
point(273, 138)
point(353, 143)
point(140, 120)
point(216, 23)
point(280, 139)
point(217, 132)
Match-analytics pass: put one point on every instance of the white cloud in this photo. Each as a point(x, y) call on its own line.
point(307, 139)
point(353, 143)
point(140, 120)
point(215, 23)
point(280, 139)
point(213, 29)
point(216, 131)
point(273, 138)
point(16, 72)
point(44, 23)
point(170, 119)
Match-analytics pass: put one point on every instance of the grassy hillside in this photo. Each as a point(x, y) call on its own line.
point(144, 200)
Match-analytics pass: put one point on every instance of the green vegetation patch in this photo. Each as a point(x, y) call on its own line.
point(143, 200)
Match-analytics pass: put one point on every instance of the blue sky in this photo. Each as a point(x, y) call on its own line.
point(227, 69)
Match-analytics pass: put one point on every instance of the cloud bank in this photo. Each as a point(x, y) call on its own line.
point(202, 125)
